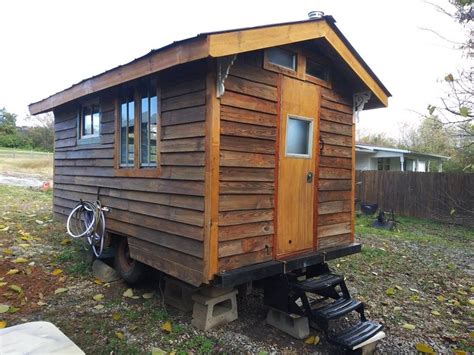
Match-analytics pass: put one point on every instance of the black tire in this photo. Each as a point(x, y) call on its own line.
point(131, 270)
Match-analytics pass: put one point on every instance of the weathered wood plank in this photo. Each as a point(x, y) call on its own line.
point(247, 216)
point(244, 202)
point(246, 187)
point(334, 241)
point(334, 185)
point(336, 139)
point(254, 73)
point(193, 99)
point(330, 150)
point(250, 145)
point(183, 87)
point(186, 159)
point(334, 207)
point(251, 160)
point(196, 129)
point(185, 115)
point(325, 196)
point(334, 173)
point(251, 88)
point(245, 230)
point(245, 246)
point(333, 127)
point(246, 174)
point(334, 229)
point(248, 102)
point(335, 162)
point(334, 218)
point(247, 130)
point(183, 145)
point(233, 262)
point(242, 115)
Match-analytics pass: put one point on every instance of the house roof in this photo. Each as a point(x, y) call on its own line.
point(367, 148)
point(219, 44)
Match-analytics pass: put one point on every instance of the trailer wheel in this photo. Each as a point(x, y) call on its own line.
point(131, 270)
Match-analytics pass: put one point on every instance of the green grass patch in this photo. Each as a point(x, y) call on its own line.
point(420, 231)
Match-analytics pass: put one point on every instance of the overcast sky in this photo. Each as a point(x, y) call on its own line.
point(46, 46)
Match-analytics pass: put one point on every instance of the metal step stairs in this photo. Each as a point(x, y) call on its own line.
point(323, 297)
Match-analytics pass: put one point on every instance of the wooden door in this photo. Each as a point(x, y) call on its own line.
point(297, 166)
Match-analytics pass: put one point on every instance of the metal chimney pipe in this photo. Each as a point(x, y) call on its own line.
point(313, 15)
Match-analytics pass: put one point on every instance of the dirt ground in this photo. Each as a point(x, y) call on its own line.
point(418, 281)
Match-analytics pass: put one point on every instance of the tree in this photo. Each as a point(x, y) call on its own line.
point(378, 139)
point(7, 122)
point(456, 112)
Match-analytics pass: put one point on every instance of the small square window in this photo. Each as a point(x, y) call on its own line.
point(298, 137)
point(317, 70)
point(89, 121)
point(282, 58)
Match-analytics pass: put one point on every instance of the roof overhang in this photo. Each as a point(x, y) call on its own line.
point(219, 44)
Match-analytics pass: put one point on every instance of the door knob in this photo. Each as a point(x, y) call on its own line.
point(309, 177)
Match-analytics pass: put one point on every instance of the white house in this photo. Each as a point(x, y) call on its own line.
point(369, 157)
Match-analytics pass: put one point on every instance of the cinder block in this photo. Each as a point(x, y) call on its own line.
point(179, 294)
point(104, 272)
point(210, 312)
point(292, 324)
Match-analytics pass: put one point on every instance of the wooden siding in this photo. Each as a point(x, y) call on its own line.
point(165, 215)
point(335, 185)
point(247, 166)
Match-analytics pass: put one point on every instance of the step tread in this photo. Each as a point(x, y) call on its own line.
point(358, 333)
point(338, 308)
point(319, 283)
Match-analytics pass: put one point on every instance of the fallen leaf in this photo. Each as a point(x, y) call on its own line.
point(390, 291)
point(61, 290)
point(7, 251)
point(3, 324)
point(455, 321)
point(98, 297)
point(312, 340)
point(166, 327)
point(396, 309)
point(41, 303)
point(13, 309)
point(24, 245)
point(398, 287)
point(16, 288)
point(425, 349)
point(408, 326)
point(120, 335)
point(147, 296)
point(157, 351)
point(56, 272)
point(65, 241)
point(20, 260)
point(128, 293)
point(116, 316)
point(459, 352)
point(3, 283)
point(440, 298)
point(4, 308)
point(98, 282)
point(436, 313)
point(5, 229)
point(99, 307)
point(40, 222)
point(471, 301)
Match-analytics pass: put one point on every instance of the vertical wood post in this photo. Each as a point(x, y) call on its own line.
point(353, 187)
point(211, 190)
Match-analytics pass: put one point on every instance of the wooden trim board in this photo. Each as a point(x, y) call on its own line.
point(215, 45)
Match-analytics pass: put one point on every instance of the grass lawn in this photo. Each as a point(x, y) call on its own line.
point(35, 163)
point(417, 280)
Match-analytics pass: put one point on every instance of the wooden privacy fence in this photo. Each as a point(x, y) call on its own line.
point(447, 197)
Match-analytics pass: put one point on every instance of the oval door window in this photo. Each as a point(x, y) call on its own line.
point(299, 135)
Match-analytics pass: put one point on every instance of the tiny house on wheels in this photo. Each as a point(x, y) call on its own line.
point(224, 159)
